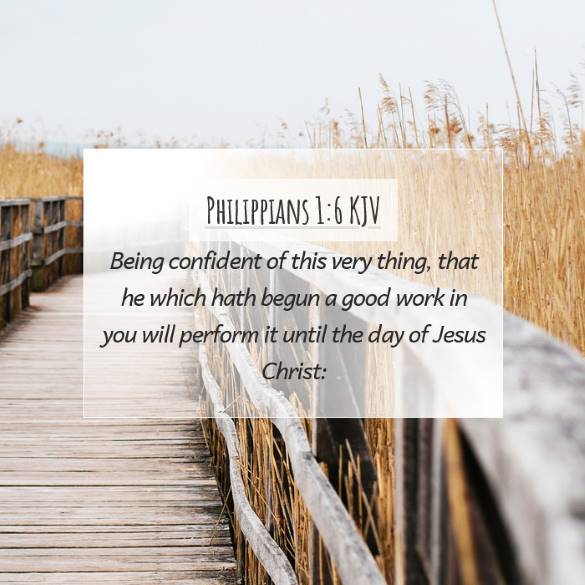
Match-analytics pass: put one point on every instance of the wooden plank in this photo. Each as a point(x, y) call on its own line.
point(173, 467)
point(108, 496)
point(52, 563)
point(217, 530)
point(72, 449)
point(191, 577)
point(114, 540)
point(112, 516)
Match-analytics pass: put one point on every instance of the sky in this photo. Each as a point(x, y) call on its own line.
point(230, 71)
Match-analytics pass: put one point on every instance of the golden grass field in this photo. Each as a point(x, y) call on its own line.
point(544, 191)
point(34, 173)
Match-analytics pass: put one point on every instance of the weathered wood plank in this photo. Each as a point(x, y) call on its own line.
point(46, 563)
point(109, 496)
point(198, 529)
point(100, 516)
point(114, 540)
point(192, 577)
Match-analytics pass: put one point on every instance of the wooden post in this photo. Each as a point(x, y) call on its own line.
point(9, 310)
point(74, 235)
point(38, 275)
point(26, 252)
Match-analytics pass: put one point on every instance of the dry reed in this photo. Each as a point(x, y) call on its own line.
point(34, 173)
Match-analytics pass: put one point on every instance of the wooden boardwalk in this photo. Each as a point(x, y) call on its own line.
point(96, 501)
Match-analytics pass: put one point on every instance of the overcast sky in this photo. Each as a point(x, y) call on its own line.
point(222, 70)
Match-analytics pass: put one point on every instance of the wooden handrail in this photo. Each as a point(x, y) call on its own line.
point(265, 548)
point(58, 239)
point(14, 242)
point(534, 457)
point(15, 283)
point(346, 546)
point(36, 251)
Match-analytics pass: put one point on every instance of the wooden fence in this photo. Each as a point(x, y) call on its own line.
point(470, 503)
point(58, 239)
point(332, 546)
point(41, 240)
point(15, 254)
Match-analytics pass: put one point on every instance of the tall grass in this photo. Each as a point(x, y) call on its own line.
point(34, 173)
point(544, 186)
point(544, 183)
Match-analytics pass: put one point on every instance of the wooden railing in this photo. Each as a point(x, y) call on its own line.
point(58, 239)
point(15, 252)
point(41, 240)
point(347, 548)
point(473, 501)
point(340, 545)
